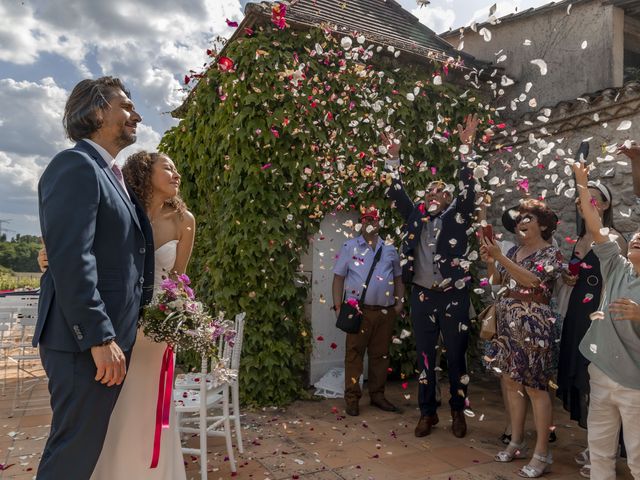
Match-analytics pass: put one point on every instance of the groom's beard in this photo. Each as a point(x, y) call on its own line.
point(125, 139)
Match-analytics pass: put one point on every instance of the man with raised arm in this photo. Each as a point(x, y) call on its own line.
point(434, 261)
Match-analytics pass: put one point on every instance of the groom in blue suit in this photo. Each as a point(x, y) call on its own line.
point(434, 257)
point(100, 249)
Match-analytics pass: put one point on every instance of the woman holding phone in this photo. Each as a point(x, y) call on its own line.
point(522, 348)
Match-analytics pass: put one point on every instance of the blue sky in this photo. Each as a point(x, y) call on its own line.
point(47, 46)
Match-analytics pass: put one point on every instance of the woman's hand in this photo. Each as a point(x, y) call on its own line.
point(492, 249)
point(581, 171)
point(485, 256)
point(632, 151)
point(569, 279)
point(625, 309)
point(43, 260)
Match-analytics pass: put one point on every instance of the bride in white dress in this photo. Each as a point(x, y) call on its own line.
point(128, 446)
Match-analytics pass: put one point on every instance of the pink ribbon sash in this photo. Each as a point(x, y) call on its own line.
point(163, 406)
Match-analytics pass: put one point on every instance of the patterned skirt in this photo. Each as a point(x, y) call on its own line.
point(525, 339)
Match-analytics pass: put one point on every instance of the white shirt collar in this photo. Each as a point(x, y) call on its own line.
point(106, 156)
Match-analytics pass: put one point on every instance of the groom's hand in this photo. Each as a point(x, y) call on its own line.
point(110, 362)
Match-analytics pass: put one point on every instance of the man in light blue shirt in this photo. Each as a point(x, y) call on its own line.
point(380, 307)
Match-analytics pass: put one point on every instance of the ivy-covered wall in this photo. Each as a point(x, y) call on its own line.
point(268, 147)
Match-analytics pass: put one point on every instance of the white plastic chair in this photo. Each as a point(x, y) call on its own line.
point(218, 395)
point(26, 358)
point(6, 344)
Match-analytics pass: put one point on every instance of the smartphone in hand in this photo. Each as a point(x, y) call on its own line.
point(487, 231)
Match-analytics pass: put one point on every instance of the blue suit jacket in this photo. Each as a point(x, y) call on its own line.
point(456, 220)
point(100, 249)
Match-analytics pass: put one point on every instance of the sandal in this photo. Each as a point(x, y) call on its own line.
point(585, 471)
point(529, 471)
point(583, 457)
point(519, 452)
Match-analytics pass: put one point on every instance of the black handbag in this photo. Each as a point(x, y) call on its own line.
point(350, 317)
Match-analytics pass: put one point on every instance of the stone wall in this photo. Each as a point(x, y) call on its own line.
point(551, 136)
point(582, 49)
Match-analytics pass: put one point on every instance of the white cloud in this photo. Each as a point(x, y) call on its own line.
point(437, 19)
point(31, 117)
point(150, 44)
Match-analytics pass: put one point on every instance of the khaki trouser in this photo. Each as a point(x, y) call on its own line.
point(612, 405)
point(375, 337)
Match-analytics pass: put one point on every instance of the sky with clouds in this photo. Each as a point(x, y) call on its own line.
point(47, 46)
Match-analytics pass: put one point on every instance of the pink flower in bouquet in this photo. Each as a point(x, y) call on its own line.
point(184, 279)
point(189, 292)
point(162, 307)
point(169, 287)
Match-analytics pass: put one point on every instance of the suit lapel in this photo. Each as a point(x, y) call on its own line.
point(92, 152)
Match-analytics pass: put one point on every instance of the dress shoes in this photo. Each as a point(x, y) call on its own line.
point(352, 409)
point(459, 425)
point(425, 423)
point(384, 404)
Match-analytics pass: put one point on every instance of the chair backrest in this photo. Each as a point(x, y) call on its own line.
point(237, 344)
point(18, 302)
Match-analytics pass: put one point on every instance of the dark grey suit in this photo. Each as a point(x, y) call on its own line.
point(100, 249)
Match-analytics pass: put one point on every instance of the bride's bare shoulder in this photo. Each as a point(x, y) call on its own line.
point(186, 222)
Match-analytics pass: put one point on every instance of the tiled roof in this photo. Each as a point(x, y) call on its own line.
point(381, 21)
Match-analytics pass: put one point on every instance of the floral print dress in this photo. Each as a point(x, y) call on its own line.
point(526, 335)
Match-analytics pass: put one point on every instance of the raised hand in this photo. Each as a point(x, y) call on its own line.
point(484, 255)
point(581, 171)
point(625, 309)
point(631, 151)
point(491, 248)
point(467, 134)
point(392, 142)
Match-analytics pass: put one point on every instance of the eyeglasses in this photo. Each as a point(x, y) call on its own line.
point(526, 217)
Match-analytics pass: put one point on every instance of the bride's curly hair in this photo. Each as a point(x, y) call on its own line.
point(137, 172)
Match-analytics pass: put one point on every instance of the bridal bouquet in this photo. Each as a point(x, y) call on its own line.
point(175, 316)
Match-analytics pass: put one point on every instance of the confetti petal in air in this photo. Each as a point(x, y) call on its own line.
point(624, 125)
point(541, 64)
point(486, 34)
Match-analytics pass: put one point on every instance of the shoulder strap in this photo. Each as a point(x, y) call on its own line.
point(373, 266)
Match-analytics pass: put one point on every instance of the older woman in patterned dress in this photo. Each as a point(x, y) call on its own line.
point(522, 348)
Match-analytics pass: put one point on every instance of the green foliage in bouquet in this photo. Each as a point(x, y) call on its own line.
point(270, 146)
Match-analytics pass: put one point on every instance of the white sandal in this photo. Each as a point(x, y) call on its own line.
point(583, 457)
point(529, 471)
point(519, 452)
point(585, 471)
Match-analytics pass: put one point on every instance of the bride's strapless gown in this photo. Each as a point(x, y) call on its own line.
point(128, 446)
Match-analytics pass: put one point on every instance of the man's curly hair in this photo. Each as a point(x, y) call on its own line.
point(137, 172)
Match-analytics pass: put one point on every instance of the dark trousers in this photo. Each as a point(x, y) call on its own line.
point(375, 337)
point(81, 411)
point(433, 312)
